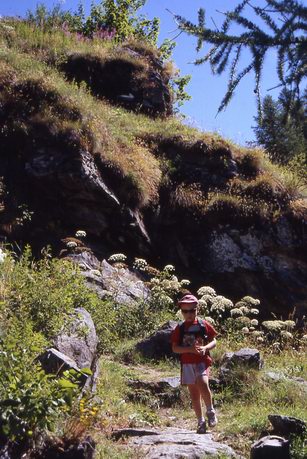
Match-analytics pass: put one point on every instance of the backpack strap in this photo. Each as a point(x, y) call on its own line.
point(181, 332)
point(203, 328)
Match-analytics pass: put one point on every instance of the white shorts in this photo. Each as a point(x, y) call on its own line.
point(191, 371)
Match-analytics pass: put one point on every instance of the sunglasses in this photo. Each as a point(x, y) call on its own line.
point(186, 311)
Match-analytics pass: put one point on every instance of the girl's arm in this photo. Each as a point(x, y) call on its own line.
point(207, 347)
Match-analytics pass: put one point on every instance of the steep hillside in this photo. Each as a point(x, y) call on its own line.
point(88, 141)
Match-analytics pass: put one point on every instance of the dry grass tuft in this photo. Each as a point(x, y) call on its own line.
point(250, 162)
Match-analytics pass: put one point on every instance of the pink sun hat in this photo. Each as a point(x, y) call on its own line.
point(188, 299)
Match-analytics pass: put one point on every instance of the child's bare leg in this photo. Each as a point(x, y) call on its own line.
point(202, 383)
point(196, 401)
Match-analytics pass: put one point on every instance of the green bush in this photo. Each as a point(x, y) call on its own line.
point(30, 400)
point(43, 292)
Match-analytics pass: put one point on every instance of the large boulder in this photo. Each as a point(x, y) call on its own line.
point(249, 358)
point(287, 425)
point(75, 348)
point(158, 345)
point(175, 444)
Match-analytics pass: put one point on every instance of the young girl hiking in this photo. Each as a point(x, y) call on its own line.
point(193, 339)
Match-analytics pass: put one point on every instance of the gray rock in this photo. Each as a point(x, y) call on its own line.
point(275, 376)
point(173, 443)
point(287, 425)
point(122, 284)
point(80, 342)
point(173, 381)
point(249, 358)
point(75, 348)
point(270, 447)
point(158, 345)
point(156, 393)
point(54, 361)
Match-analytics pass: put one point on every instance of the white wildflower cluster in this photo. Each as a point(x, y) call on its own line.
point(169, 287)
point(95, 272)
point(164, 285)
point(220, 308)
point(161, 296)
point(243, 313)
point(285, 335)
point(250, 301)
point(184, 282)
point(71, 245)
point(206, 291)
point(222, 303)
point(140, 264)
point(80, 234)
point(279, 329)
point(289, 324)
point(117, 258)
point(216, 306)
point(273, 326)
point(304, 339)
point(169, 268)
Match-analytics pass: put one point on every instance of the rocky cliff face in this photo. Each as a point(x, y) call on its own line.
point(215, 214)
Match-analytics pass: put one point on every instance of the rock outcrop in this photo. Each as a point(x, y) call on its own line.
point(75, 349)
point(197, 203)
point(134, 78)
point(124, 285)
point(175, 444)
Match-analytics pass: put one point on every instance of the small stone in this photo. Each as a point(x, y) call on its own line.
point(270, 447)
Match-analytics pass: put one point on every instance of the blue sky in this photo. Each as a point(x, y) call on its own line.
point(206, 90)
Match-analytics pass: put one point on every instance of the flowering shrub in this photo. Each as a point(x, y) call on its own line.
point(71, 245)
point(140, 264)
point(80, 234)
point(206, 291)
point(169, 269)
point(117, 258)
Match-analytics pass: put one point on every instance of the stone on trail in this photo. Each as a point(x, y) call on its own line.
point(165, 392)
point(270, 447)
point(173, 443)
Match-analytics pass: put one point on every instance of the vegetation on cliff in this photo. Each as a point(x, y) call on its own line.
point(147, 158)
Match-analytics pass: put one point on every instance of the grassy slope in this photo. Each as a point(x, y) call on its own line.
point(133, 145)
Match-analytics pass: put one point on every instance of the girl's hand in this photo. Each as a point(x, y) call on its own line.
point(201, 350)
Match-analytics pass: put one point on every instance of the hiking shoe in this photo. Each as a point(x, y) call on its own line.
point(212, 419)
point(201, 429)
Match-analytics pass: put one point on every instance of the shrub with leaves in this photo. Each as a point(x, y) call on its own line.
point(30, 400)
point(43, 292)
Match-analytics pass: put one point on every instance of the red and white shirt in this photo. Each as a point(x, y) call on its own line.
point(189, 339)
